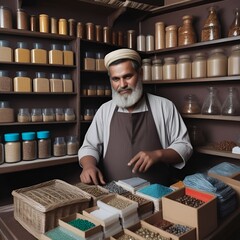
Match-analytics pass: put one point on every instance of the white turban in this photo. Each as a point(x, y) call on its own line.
point(123, 53)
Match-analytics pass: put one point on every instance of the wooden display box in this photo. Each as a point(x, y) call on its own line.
point(37, 208)
point(233, 181)
point(63, 222)
point(154, 218)
point(203, 218)
point(125, 231)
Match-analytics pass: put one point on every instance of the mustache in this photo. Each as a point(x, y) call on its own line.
point(124, 89)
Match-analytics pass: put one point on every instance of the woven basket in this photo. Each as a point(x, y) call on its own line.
point(38, 208)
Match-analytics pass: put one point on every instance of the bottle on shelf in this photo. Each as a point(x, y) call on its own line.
point(6, 17)
point(29, 146)
point(59, 147)
point(55, 55)
point(90, 31)
point(72, 145)
point(231, 104)
point(48, 115)
point(147, 69)
point(44, 144)
point(234, 29)
point(184, 70)
point(22, 53)
point(22, 83)
point(43, 23)
point(234, 61)
point(38, 54)
point(171, 39)
point(149, 43)
point(72, 27)
point(23, 115)
point(169, 68)
point(59, 112)
point(68, 55)
point(53, 25)
point(6, 52)
point(5, 81)
point(69, 114)
point(36, 115)
point(131, 39)
point(157, 69)
point(211, 29)
point(191, 105)
point(199, 66)
point(212, 104)
point(159, 35)
point(22, 19)
point(12, 147)
point(56, 84)
point(141, 43)
point(67, 83)
point(62, 26)
point(41, 83)
point(6, 112)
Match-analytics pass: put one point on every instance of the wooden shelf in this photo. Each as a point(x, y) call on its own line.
point(39, 93)
point(38, 163)
point(36, 123)
point(212, 117)
point(210, 151)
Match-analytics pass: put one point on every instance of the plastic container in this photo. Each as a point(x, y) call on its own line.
point(41, 83)
point(22, 83)
point(5, 81)
point(6, 53)
point(59, 147)
point(29, 146)
point(147, 69)
point(6, 113)
point(234, 61)
point(44, 144)
point(199, 66)
point(169, 69)
point(72, 145)
point(22, 53)
point(12, 147)
point(38, 54)
point(23, 115)
point(184, 67)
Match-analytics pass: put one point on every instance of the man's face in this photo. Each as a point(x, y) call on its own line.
point(126, 84)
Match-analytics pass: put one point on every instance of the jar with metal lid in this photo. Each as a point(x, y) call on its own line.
point(43, 23)
point(211, 28)
point(131, 39)
point(22, 19)
point(5, 17)
point(99, 33)
point(80, 30)
point(147, 69)
point(69, 114)
point(184, 67)
point(157, 69)
point(59, 147)
point(62, 26)
point(5, 81)
point(72, 145)
point(106, 34)
point(1, 151)
point(12, 147)
point(44, 144)
point(149, 43)
point(234, 61)
point(169, 68)
point(186, 33)
point(171, 36)
point(29, 146)
point(23, 115)
point(72, 27)
point(90, 31)
point(6, 52)
point(217, 63)
point(199, 66)
point(36, 115)
point(234, 29)
point(191, 105)
point(22, 53)
point(159, 35)
point(141, 43)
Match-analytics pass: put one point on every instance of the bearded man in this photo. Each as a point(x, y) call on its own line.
point(135, 133)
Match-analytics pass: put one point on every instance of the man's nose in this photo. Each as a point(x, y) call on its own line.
point(123, 82)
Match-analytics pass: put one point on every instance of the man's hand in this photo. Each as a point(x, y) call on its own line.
point(144, 160)
point(90, 173)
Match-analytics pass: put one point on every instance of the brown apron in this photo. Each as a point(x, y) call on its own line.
point(129, 134)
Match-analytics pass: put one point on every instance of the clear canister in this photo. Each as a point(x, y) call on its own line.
point(169, 68)
point(141, 43)
point(12, 147)
point(23, 115)
point(59, 147)
point(157, 69)
point(184, 68)
point(234, 61)
point(29, 146)
point(147, 69)
point(36, 115)
point(69, 114)
point(72, 145)
point(199, 66)
point(149, 43)
point(44, 144)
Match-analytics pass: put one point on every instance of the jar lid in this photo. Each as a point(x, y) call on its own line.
point(62, 20)
point(4, 104)
point(21, 74)
point(66, 76)
point(37, 45)
point(11, 137)
point(146, 60)
point(217, 50)
point(156, 61)
point(185, 56)
point(43, 134)
point(171, 27)
point(40, 74)
point(200, 54)
point(28, 136)
point(169, 59)
point(55, 47)
point(159, 23)
point(187, 17)
point(55, 75)
point(59, 140)
point(100, 55)
point(89, 23)
point(66, 47)
point(89, 55)
point(4, 43)
point(71, 20)
point(22, 45)
point(4, 73)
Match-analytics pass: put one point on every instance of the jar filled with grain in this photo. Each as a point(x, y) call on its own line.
point(88, 114)
point(171, 39)
point(69, 114)
point(184, 67)
point(22, 19)
point(169, 68)
point(217, 63)
point(199, 66)
point(44, 144)
point(211, 29)
point(234, 61)
point(59, 147)
point(147, 69)
point(29, 146)
point(5, 17)
point(72, 145)
point(12, 147)
point(191, 105)
point(159, 35)
point(59, 114)
point(48, 115)
point(36, 115)
point(5, 81)
point(23, 115)
point(6, 52)
point(157, 69)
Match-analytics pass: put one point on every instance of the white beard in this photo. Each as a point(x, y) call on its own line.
point(128, 100)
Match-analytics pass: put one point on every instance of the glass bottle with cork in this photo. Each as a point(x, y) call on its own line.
point(55, 55)
point(22, 53)
point(38, 54)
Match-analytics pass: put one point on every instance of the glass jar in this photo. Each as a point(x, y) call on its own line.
point(169, 68)
point(62, 26)
point(12, 147)
point(59, 114)
point(29, 146)
point(72, 27)
point(72, 145)
point(157, 69)
point(80, 30)
point(107, 34)
point(191, 105)
point(48, 115)
point(5, 81)
point(131, 39)
point(196, 136)
point(6, 52)
point(22, 19)
point(211, 105)
point(88, 114)
point(90, 31)
point(99, 33)
point(147, 69)
point(234, 61)
point(23, 115)
point(211, 28)
point(171, 36)
point(199, 66)
point(217, 63)
point(6, 113)
point(234, 29)
point(43, 23)
point(186, 33)
point(231, 104)
point(184, 70)
point(5, 17)
point(36, 115)
point(44, 144)
point(22, 53)
point(59, 147)
point(69, 114)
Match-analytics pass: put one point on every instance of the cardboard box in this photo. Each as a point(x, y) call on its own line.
point(203, 218)
point(156, 217)
point(233, 181)
point(64, 222)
